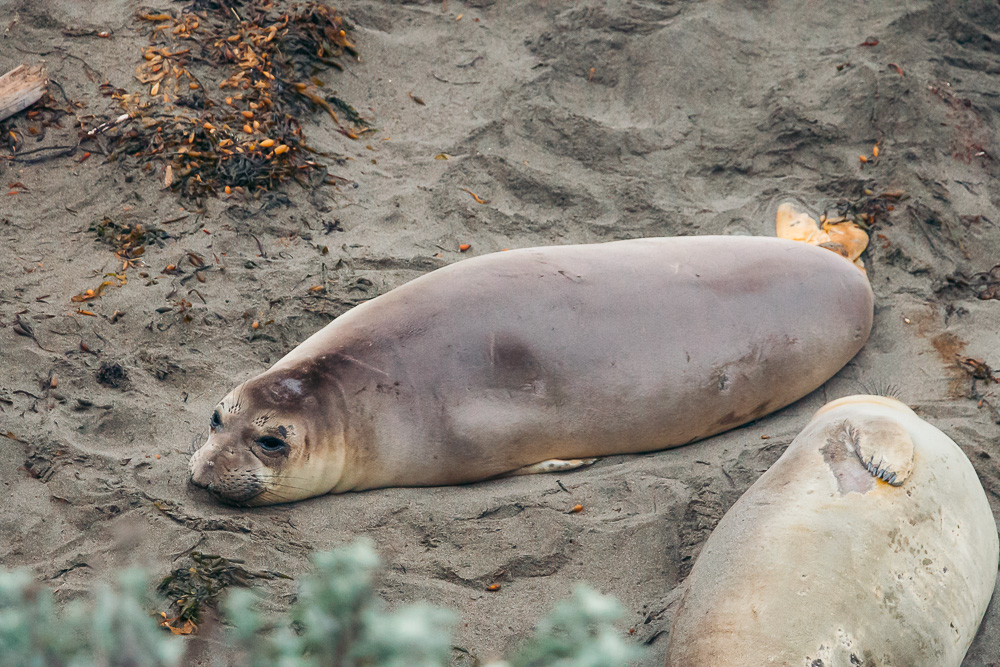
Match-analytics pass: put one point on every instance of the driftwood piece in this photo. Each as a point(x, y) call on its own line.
point(20, 88)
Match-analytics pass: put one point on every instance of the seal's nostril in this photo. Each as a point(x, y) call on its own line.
point(202, 476)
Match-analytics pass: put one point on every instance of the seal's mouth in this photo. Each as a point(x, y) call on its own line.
point(243, 501)
point(865, 399)
point(242, 493)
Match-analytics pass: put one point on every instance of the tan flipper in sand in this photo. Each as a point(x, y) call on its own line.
point(552, 465)
point(841, 236)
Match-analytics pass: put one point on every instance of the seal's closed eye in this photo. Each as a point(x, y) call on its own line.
point(272, 445)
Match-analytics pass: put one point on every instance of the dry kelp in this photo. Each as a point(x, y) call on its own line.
point(31, 127)
point(984, 285)
point(977, 369)
point(866, 210)
point(129, 240)
point(191, 587)
point(224, 89)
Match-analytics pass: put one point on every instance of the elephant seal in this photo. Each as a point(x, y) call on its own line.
point(501, 363)
point(869, 542)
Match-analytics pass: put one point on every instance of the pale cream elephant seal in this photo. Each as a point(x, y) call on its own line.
point(869, 542)
point(530, 360)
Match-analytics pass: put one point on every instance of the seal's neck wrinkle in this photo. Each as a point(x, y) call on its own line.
point(861, 399)
point(326, 442)
point(356, 425)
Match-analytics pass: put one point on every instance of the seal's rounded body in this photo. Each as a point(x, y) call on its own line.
point(505, 360)
point(821, 562)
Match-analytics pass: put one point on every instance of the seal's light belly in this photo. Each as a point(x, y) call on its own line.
point(815, 565)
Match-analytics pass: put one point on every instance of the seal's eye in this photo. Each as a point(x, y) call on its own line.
point(271, 444)
point(216, 420)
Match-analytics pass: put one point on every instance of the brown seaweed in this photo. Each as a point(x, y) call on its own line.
point(200, 582)
point(224, 90)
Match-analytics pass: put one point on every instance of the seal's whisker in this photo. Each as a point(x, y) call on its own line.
point(283, 485)
point(194, 446)
point(277, 493)
point(879, 387)
point(289, 486)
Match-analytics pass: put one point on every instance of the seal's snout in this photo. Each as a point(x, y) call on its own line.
point(225, 472)
point(202, 469)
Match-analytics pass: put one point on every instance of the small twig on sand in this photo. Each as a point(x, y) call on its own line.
point(471, 63)
point(22, 328)
point(259, 246)
point(60, 151)
point(455, 83)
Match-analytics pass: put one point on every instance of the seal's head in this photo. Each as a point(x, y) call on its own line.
point(274, 439)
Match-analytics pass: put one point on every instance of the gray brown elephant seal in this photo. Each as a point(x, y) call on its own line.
point(494, 364)
point(869, 542)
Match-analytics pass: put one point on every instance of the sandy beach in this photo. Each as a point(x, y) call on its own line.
point(562, 122)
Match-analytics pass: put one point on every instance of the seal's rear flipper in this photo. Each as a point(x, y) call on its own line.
point(883, 446)
point(841, 236)
point(551, 465)
point(849, 235)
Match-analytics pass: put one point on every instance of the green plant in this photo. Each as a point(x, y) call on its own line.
point(579, 632)
point(339, 621)
point(336, 621)
point(112, 629)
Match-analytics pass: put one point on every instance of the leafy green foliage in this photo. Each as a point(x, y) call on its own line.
point(337, 620)
point(340, 622)
point(579, 632)
point(113, 629)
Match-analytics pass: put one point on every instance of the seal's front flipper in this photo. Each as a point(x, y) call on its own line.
point(551, 465)
point(883, 446)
